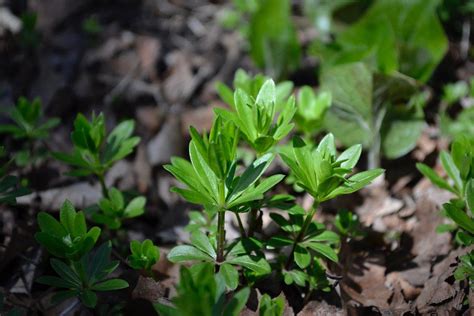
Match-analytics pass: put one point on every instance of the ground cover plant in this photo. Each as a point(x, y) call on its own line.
point(236, 158)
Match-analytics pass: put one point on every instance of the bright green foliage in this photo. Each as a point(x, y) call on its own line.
point(458, 165)
point(322, 173)
point(28, 119)
point(67, 238)
point(257, 117)
point(85, 277)
point(348, 224)
point(201, 293)
point(270, 32)
point(394, 35)
point(311, 109)
point(251, 86)
point(219, 148)
point(315, 242)
point(383, 113)
point(94, 151)
point(113, 210)
point(9, 185)
point(462, 124)
point(466, 269)
point(271, 307)
point(239, 254)
point(454, 92)
point(206, 188)
point(144, 255)
point(29, 125)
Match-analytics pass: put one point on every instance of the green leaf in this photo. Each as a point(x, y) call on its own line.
point(50, 225)
point(459, 217)
point(434, 178)
point(252, 173)
point(187, 253)
point(89, 298)
point(230, 275)
point(56, 282)
point(65, 272)
point(257, 265)
point(351, 88)
point(135, 207)
point(350, 156)
point(323, 249)
point(202, 242)
point(451, 169)
point(470, 195)
point(302, 256)
point(110, 285)
point(266, 95)
point(237, 303)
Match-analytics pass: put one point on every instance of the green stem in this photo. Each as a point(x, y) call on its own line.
point(241, 225)
point(105, 192)
point(220, 235)
point(300, 237)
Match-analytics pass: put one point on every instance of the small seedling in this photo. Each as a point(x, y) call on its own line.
point(69, 237)
point(9, 185)
point(85, 277)
point(95, 152)
point(30, 126)
point(144, 255)
point(113, 210)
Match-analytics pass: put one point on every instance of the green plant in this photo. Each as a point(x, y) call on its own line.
point(391, 36)
point(311, 110)
point(384, 113)
point(462, 123)
point(144, 255)
point(200, 293)
point(212, 180)
point(348, 224)
point(29, 36)
point(30, 126)
point(69, 237)
point(85, 277)
point(271, 307)
point(251, 86)
point(113, 209)
point(269, 30)
point(91, 26)
point(256, 117)
point(95, 152)
point(459, 166)
point(9, 185)
point(325, 175)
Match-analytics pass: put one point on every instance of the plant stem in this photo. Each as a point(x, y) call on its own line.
point(105, 192)
point(220, 235)
point(241, 225)
point(307, 221)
